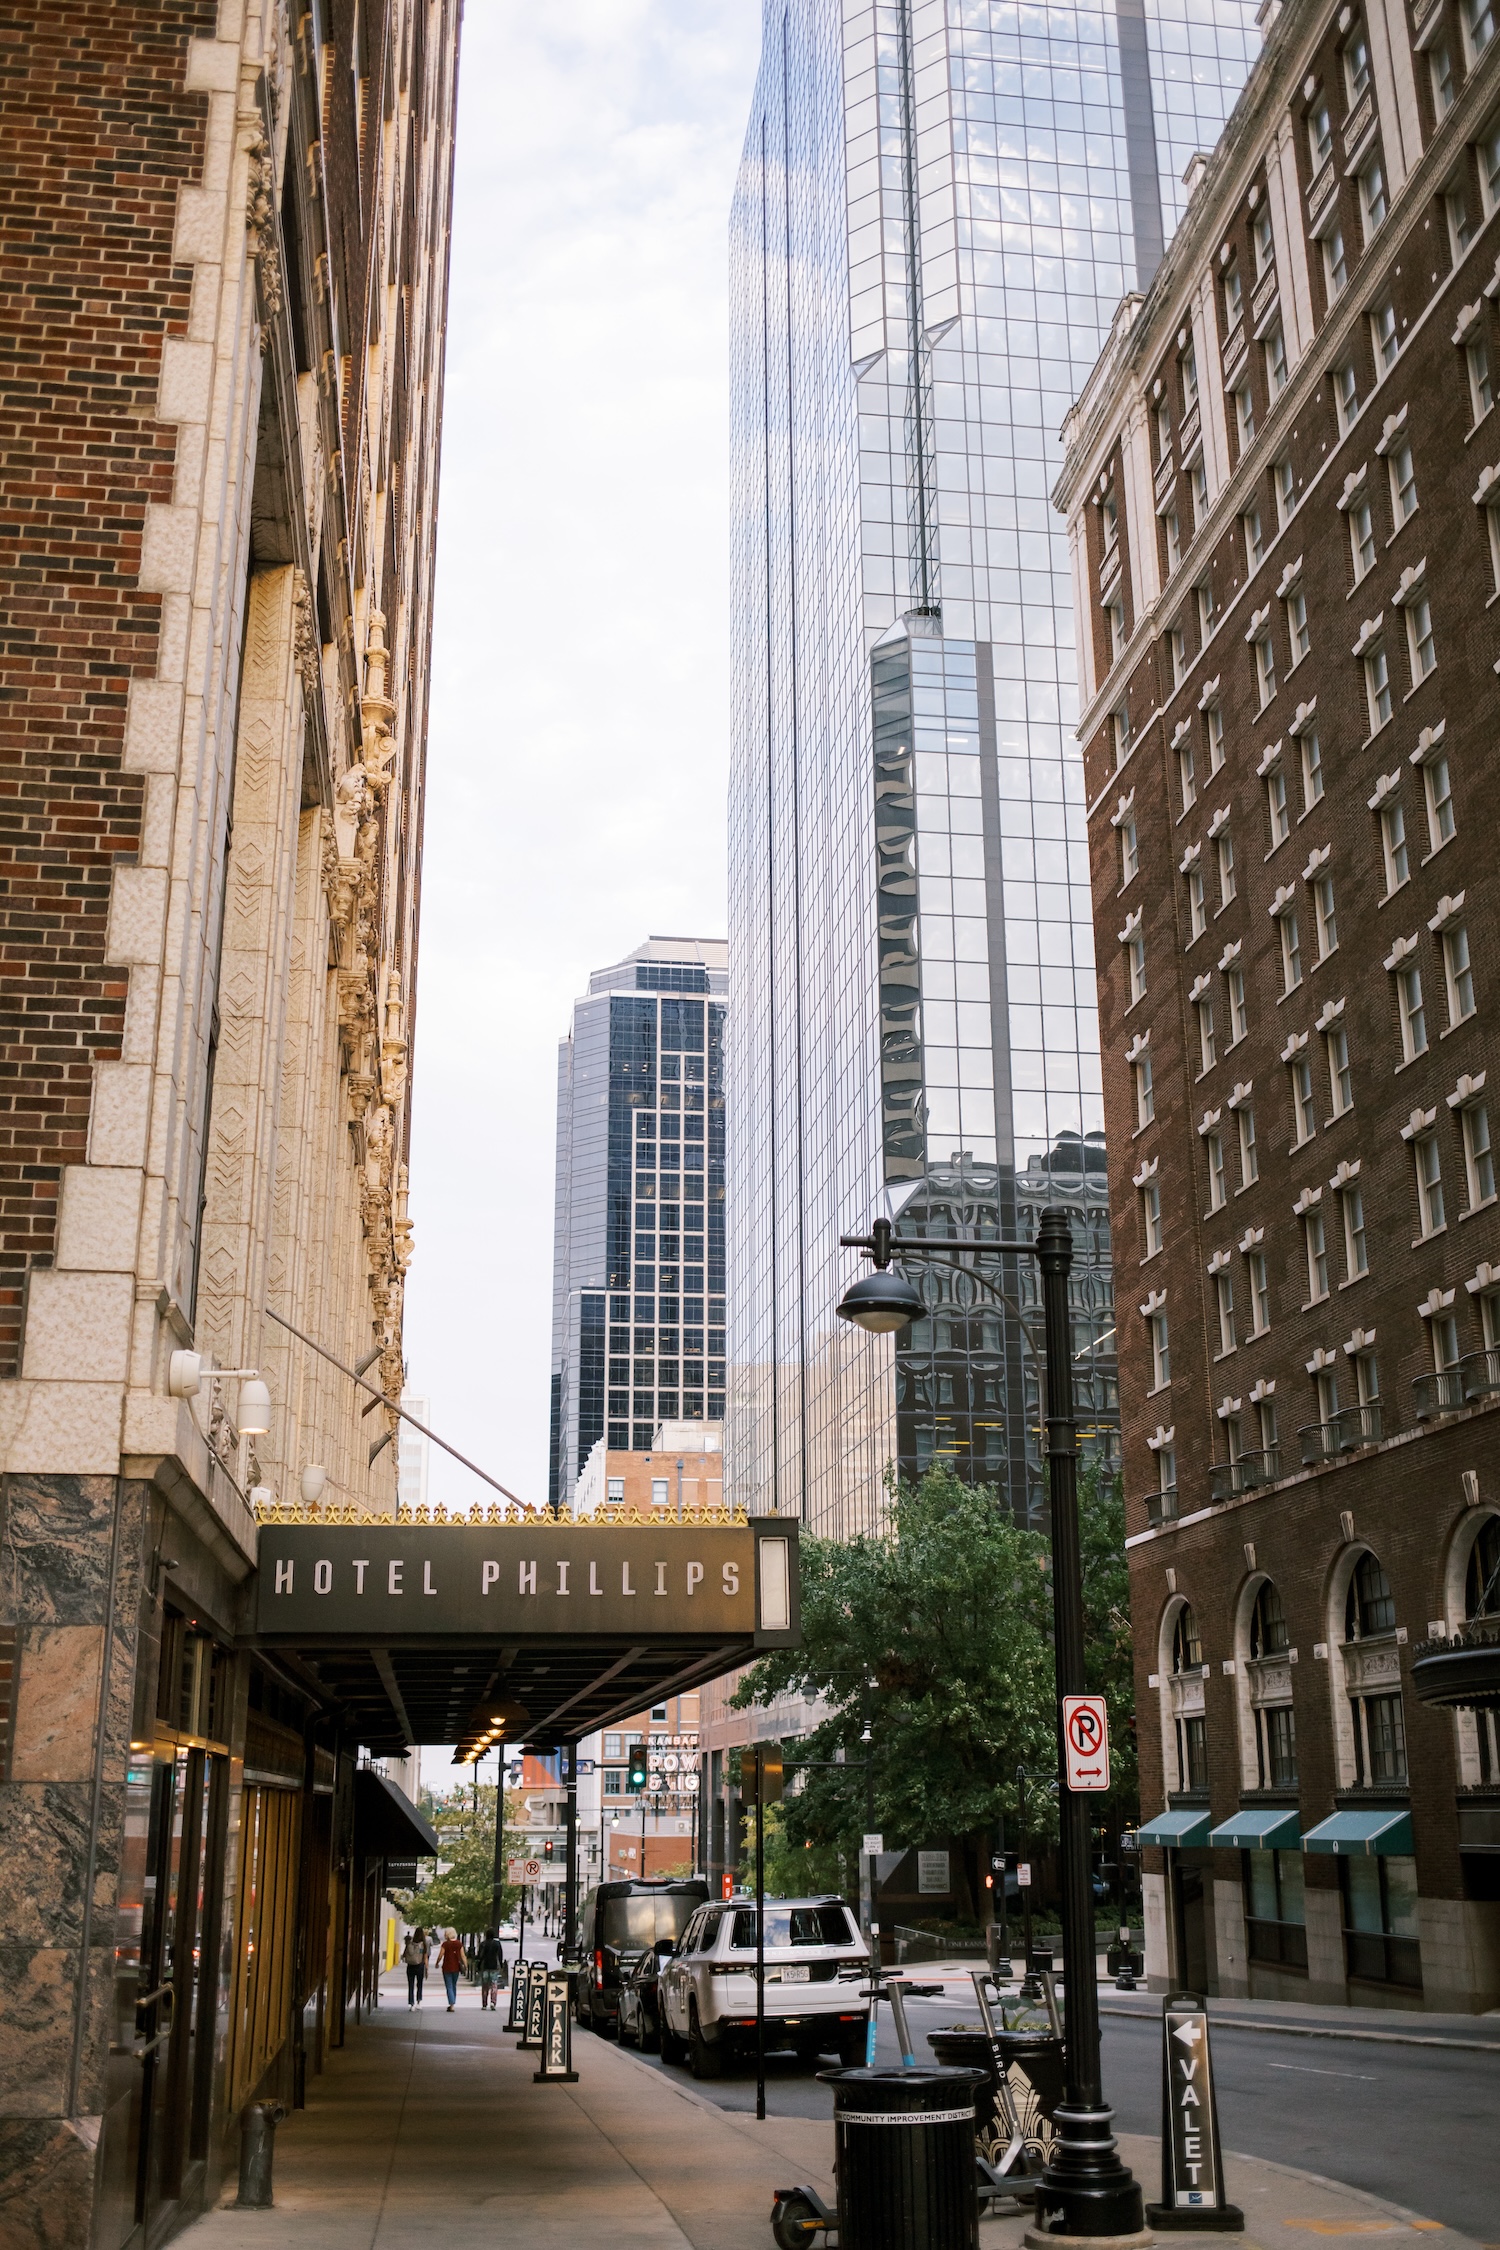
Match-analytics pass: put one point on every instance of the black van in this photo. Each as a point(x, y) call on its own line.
point(617, 1923)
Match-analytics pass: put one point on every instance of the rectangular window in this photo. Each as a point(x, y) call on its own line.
point(1340, 1076)
point(1213, 727)
point(1356, 1255)
point(1121, 724)
point(1458, 974)
point(1234, 297)
point(1192, 1753)
point(1429, 1161)
point(1266, 1416)
point(1296, 625)
point(1115, 618)
point(1372, 205)
point(1317, 1258)
point(1265, 669)
point(1419, 638)
point(1381, 1938)
point(1186, 773)
point(1327, 920)
point(1224, 1294)
point(1479, 1157)
point(1403, 485)
point(1276, 367)
point(1437, 790)
point(1197, 909)
point(1356, 67)
point(1225, 846)
point(1244, 416)
point(1255, 546)
point(1239, 1021)
point(1286, 492)
point(1136, 954)
point(1260, 1293)
point(1189, 366)
point(1163, 432)
point(1377, 687)
point(1109, 519)
point(1303, 1109)
point(1319, 136)
point(1335, 263)
point(1177, 642)
point(1151, 1217)
point(1479, 27)
point(1461, 228)
point(1362, 539)
point(1213, 1149)
point(1346, 396)
point(1205, 592)
point(1444, 1342)
point(1276, 806)
point(1130, 851)
point(1393, 847)
point(1145, 1097)
point(1413, 1014)
point(1263, 241)
point(1174, 539)
point(1312, 769)
point(1161, 1355)
point(1249, 1155)
point(1291, 953)
point(1444, 92)
point(1489, 171)
point(1481, 396)
point(1206, 1045)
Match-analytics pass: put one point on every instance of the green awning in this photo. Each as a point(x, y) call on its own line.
point(1260, 1828)
point(1350, 1833)
point(1181, 1829)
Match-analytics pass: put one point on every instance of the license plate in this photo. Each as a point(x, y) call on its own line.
point(801, 1974)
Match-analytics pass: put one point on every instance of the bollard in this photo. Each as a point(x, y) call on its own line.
point(258, 2123)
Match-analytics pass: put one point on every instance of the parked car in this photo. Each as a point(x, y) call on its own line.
point(815, 1967)
point(618, 1923)
point(640, 1997)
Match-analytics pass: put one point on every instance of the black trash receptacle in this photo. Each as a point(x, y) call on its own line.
point(966, 2046)
point(904, 2152)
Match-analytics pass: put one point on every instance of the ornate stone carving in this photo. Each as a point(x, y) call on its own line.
point(393, 1041)
point(260, 224)
point(305, 641)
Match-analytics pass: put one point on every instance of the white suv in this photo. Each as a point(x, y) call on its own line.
point(815, 1967)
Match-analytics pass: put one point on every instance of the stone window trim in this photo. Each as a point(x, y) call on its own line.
point(1392, 430)
point(1304, 718)
point(1359, 1340)
point(1355, 488)
point(1209, 693)
point(1190, 859)
point(1401, 951)
point(1270, 758)
point(1431, 743)
point(1420, 1123)
point(1200, 988)
point(1161, 1438)
point(1322, 1361)
point(1309, 1200)
point(1332, 1012)
point(1385, 788)
point(1369, 633)
point(1209, 1122)
point(1467, 1092)
point(1122, 811)
point(1317, 860)
point(1220, 1262)
point(1284, 902)
point(1251, 1239)
point(1147, 1172)
point(1450, 909)
point(1219, 822)
point(1346, 1176)
point(1290, 580)
point(1295, 1046)
point(1437, 1301)
point(1132, 925)
point(1228, 1407)
point(1412, 585)
point(1138, 1045)
point(1239, 1095)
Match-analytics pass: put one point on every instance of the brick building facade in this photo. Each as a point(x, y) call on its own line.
point(224, 227)
point(1278, 485)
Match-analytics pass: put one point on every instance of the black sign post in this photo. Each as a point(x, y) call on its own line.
point(557, 2040)
point(1192, 2162)
point(536, 2006)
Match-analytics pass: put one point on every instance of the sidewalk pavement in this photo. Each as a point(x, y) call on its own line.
point(427, 2132)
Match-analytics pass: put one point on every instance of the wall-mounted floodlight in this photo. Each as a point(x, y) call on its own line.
point(185, 1373)
point(314, 1479)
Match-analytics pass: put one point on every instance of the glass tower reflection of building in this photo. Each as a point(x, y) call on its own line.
point(638, 1267)
point(938, 211)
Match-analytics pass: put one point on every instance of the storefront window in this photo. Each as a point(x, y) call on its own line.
point(1275, 1909)
point(1380, 1921)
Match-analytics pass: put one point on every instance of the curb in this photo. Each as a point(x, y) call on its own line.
point(1379, 2204)
point(1325, 2031)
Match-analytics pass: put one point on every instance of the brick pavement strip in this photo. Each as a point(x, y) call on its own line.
point(428, 2133)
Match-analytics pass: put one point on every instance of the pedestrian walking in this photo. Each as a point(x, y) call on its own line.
point(415, 1954)
point(451, 1961)
point(491, 1969)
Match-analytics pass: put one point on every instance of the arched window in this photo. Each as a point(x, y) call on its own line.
point(1379, 1726)
point(1371, 1606)
point(1268, 1633)
point(1192, 1731)
point(1482, 1599)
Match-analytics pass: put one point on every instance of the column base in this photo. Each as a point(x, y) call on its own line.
point(1167, 2219)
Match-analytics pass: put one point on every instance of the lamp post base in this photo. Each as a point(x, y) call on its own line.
point(1088, 2193)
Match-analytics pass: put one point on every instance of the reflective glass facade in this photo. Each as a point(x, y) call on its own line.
point(938, 211)
point(638, 1267)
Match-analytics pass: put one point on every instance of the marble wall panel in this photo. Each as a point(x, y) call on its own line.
point(57, 1702)
point(55, 1557)
point(37, 1990)
point(44, 1858)
point(46, 2183)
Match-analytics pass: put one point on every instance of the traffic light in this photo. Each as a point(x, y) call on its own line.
point(547, 1849)
point(761, 1760)
point(637, 1772)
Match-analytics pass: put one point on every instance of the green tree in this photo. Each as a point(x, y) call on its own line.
point(1109, 1664)
point(462, 1898)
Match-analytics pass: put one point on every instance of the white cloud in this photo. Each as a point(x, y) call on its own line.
point(577, 747)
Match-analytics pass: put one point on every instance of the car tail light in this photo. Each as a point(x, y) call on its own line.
point(598, 1972)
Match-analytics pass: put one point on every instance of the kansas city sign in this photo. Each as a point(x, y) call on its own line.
point(373, 1580)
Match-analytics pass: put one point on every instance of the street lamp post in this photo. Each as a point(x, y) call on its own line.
point(1086, 2189)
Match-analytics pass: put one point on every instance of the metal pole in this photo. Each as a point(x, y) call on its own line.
point(760, 1935)
point(570, 1886)
point(497, 1892)
point(1086, 2188)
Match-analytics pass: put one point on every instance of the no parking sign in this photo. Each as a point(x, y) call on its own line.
point(1086, 1741)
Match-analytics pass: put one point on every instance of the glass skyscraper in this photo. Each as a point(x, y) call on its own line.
point(638, 1264)
point(940, 206)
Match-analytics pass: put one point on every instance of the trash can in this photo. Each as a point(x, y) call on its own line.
point(966, 2046)
point(904, 2156)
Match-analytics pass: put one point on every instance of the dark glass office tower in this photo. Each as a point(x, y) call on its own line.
point(638, 1268)
point(938, 213)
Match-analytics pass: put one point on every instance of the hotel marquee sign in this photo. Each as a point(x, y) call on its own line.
point(379, 1580)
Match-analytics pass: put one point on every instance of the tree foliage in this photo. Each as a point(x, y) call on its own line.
point(938, 1631)
point(463, 1897)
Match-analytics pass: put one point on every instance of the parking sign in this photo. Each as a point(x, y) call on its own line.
point(1086, 1741)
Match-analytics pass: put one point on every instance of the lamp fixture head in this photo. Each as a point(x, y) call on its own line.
point(314, 1481)
point(881, 1303)
point(254, 1415)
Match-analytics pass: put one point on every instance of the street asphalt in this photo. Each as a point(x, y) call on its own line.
point(1418, 2125)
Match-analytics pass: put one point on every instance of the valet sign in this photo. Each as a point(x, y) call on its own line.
point(381, 1578)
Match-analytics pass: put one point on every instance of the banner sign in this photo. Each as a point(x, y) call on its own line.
point(378, 1580)
point(1085, 1742)
point(557, 2051)
point(1192, 2168)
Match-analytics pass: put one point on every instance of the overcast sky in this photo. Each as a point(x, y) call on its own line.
point(577, 748)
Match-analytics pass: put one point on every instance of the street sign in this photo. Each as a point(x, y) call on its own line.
point(873, 1846)
point(1192, 2170)
point(525, 1871)
point(557, 2045)
point(761, 1773)
point(1085, 1742)
point(1023, 1875)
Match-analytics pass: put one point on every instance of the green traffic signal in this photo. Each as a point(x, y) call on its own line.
point(637, 1773)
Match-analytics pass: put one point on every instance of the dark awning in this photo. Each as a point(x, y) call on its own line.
point(386, 1822)
point(1260, 1828)
point(1182, 1828)
point(1384, 1828)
